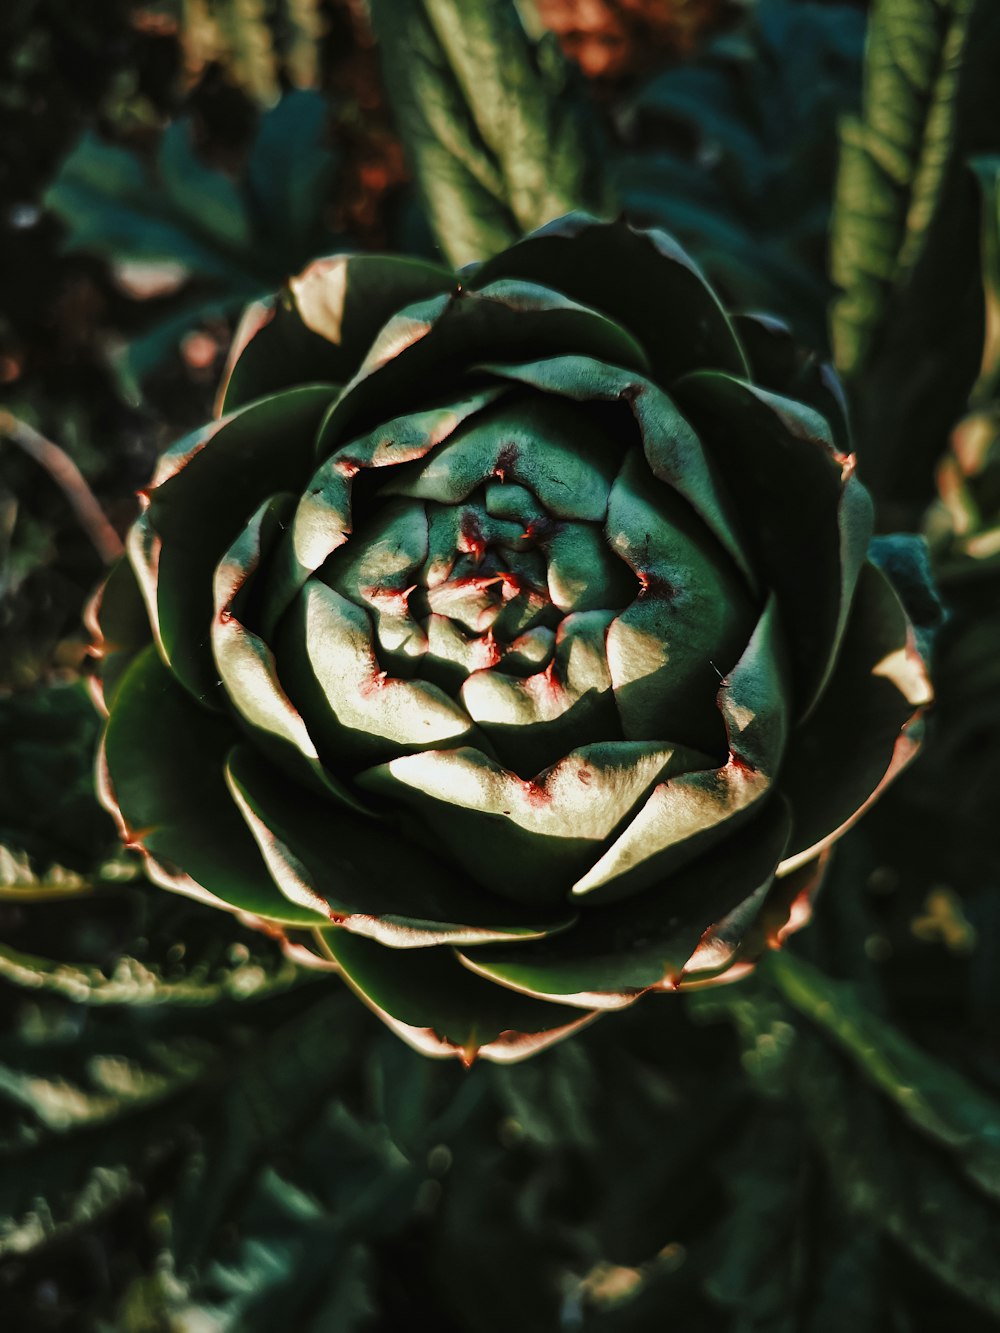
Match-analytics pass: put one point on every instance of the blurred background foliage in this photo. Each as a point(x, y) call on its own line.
point(198, 1135)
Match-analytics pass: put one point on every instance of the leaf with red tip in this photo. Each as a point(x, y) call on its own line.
point(320, 328)
point(205, 496)
point(807, 519)
point(119, 626)
point(357, 713)
point(165, 761)
point(863, 730)
point(685, 816)
point(614, 954)
point(668, 649)
point(247, 664)
point(324, 520)
point(526, 839)
point(365, 872)
point(673, 451)
point(424, 351)
point(640, 279)
point(431, 1001)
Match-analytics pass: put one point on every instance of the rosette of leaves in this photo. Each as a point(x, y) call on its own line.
point(509, 639)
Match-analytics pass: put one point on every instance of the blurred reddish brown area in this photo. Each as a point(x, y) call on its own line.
point(614, 40)
point(374, 166)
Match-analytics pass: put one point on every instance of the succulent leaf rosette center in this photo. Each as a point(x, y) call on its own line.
point(510, 640)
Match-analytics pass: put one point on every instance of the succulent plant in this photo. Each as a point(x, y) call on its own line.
point(510, 640)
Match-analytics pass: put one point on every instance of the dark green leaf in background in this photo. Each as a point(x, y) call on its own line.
point(905, 330)
point(735, 153)
point(893, 163)
point(230, 240)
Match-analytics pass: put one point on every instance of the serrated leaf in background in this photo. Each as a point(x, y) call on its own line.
point(257, 42)
point(498, 133)
point(911, 1146)
point(906, 330)
point(234, 239)
point(894, 160)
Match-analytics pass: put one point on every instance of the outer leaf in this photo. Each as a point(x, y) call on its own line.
point(409, 899)
point(614, 954)
point(322, 326)
point(170, 798)
point(634, 277)
point(797, 493)
point(205, 488)
point(880, 683)
point(436, 1006)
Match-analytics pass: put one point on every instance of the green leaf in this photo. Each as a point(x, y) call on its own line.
point(903, 245)
point(930, 1095)
point(74, 1106)
point(910, 1146)
point(498, 137)
point(405, 897)
point(48, 812)
point(205, 201)
point(612, 955)
point(761, 1247)
point(881, 683)
point(905, 561)
point(290, 172)
point(766, 461)
point(206, 487)
point(137, 983)
point(321, 328)
point(165, 759)
point(787, 1256)
point(894, 161)
point(242, 236)
point(112, 205)
point(294, 1260)
point(631, 277)
point(272, 1218)
point(433, 1003)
